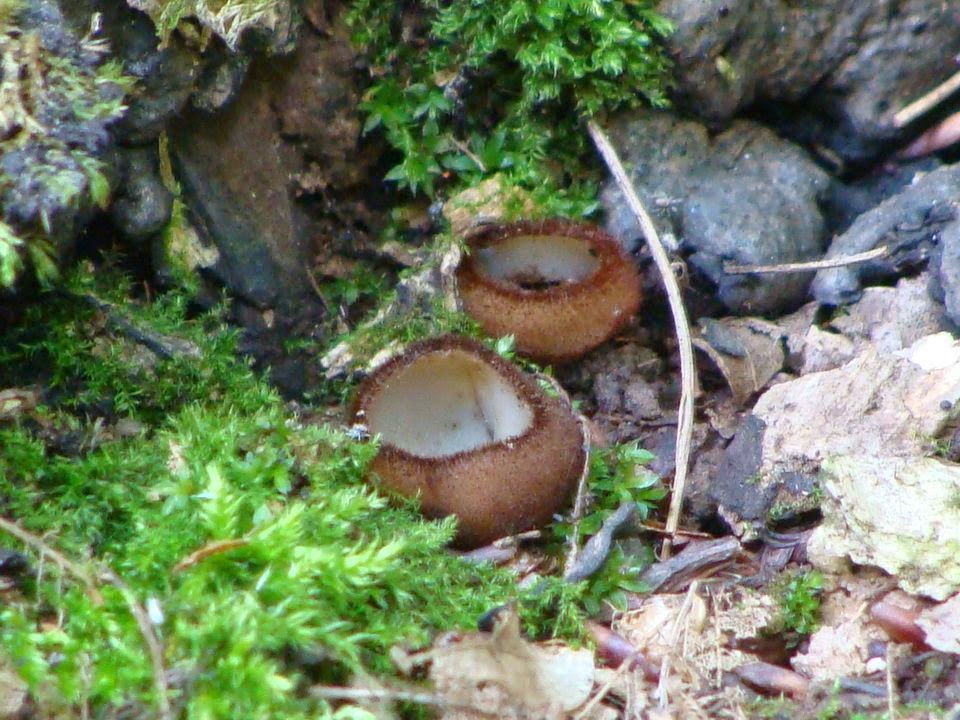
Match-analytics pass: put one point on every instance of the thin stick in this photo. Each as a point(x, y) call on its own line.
point(891, 685)
point(681, 617)
point(43, 549)
point(164, 711)
point(688, 377)
point(927, 101)
point(824, 264)
point(462, 147)
point(578, 504)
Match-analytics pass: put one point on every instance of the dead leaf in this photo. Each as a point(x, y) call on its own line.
point(748, 352)
point(17, 401)
point(504, 675)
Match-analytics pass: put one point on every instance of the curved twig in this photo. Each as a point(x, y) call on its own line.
point(688, 376)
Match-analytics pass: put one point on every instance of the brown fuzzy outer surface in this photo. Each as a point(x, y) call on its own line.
point(560, 323)
point(494, 490)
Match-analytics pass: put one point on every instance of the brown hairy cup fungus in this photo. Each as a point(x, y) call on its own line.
point(470, 435)
point(560, 288)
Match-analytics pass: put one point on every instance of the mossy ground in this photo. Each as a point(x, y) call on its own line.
point(329, 575)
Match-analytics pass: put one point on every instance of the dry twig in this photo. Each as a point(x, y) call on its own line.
point(678, 622)
point(824, 264)
point(926, 102)
point(45, 550)
point(579, 502)
point(688, 376)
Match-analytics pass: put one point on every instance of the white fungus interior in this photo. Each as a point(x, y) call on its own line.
point(545, 258)
point(447, 403)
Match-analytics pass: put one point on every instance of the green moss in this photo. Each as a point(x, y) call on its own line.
point(330, 575)
point(465, 90)
point(799, 595)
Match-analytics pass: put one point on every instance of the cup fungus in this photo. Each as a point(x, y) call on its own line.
point(470, 435)
point(560, 288)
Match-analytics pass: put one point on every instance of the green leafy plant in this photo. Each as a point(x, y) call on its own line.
point(800, 601)
point(463, 90)
point(617, 476)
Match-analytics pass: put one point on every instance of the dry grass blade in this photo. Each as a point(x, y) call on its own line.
point(579, 502)
point(824, 264)
point(678, 625)
point(688, 376)
point(926, 102)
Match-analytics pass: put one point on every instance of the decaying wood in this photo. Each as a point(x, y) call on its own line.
point(697, 560)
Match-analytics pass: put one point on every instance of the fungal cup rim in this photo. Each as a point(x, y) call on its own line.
point(525, 388)
point(609, 254)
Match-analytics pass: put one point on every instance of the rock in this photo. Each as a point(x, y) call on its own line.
point(824, 350)
point(846, 201)
point(892, 318)
point(317, 104)
point(744, 196)
point(59, 103)
point(165, 76)
point(909, 224)
point(736, 486)
point(262, 26)
point(896, 513)
point(220, 79)
point(948, 277)
point(876, 405)
point(852, 63)
point(885, 319)
point(235, 174)
point(142, 203)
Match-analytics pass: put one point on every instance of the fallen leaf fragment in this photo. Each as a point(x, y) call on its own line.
point(615, 649)
point(897, 613)
point(941, 626)
point(214, 548)
point(748, 352)
point(503, 675)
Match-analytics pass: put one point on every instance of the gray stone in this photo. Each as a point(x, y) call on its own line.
point(908, 224)
point(949, 271)
point(852, 63)
point(743, 196)
point(142, 203)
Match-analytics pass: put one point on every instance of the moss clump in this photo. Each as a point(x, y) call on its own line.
point(229, 19)
point(328, 575)
point(463, 90)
